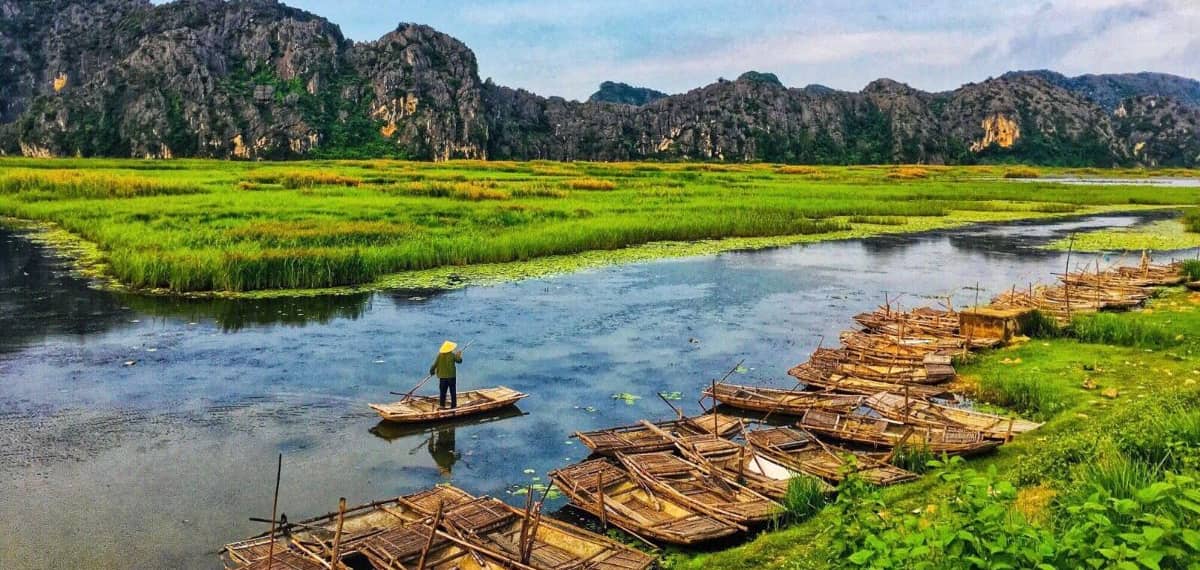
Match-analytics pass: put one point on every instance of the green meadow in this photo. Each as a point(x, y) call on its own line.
point(199, 226)
point(1111, 480)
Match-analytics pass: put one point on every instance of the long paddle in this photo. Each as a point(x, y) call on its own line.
point(408, 395)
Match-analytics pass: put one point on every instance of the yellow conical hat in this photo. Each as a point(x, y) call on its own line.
point(448, 346)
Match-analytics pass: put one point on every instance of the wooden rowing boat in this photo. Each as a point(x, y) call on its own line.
point(615, 497)
point(471, 533)
point(817, 377)
point(792, 402)
point(539, 542)
point(801, 451)
point(705, 492)
point(857, 365)
point(919, 411)
point(392, 534)
point(427, 409)
point(738, 463)
point(639, 439)
point(885, 433)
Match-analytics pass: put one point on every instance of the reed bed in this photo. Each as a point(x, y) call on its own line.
point(204, 225)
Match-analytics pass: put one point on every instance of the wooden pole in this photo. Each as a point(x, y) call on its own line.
point(274, 509)
point(1067, 284)
point(600, 497)
point(437, 521)
point(334, 560)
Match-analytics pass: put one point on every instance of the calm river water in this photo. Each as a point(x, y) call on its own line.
point(142, 432)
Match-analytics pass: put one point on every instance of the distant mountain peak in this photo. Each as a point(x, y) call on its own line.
point(760, 77)
point(624, 93)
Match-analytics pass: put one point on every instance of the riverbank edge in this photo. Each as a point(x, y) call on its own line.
point(1083, 371)
point(89, 261)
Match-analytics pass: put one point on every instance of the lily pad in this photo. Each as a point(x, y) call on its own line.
point(626, 397)
point(671, 395)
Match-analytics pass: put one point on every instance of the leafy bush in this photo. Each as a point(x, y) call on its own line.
point(974, 527)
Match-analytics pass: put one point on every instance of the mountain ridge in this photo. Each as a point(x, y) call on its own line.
point(257, 79)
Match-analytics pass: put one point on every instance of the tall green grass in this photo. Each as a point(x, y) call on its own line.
point(1123, 330)
point(200, 225)
point(1191, 268)
point(805, 497)
point(1025, 394)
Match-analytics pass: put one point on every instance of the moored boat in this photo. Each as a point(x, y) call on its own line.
point(792, 402)
point(705, 492)
point(890, 434)
point(638, 438)
point(815, 376)
point(611, 494)
point(801, 451)
point(919, 411)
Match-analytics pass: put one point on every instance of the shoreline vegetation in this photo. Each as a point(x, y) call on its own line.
point(264, 229)
point(1111, 479)
point(1162, 235)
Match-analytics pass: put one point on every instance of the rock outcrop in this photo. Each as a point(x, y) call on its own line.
point(613, 92)
point(254, 79)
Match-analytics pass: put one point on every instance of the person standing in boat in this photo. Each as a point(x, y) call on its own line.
point(447, 373)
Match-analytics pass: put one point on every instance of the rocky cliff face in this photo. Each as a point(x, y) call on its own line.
point(1109, 90)
point(255, 79)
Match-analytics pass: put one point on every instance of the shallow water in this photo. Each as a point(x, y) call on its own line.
point(142, 432)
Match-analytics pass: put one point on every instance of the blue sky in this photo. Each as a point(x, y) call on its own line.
point(566, 47)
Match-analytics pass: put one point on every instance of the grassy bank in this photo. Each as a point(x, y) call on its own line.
point(1164, 235)
point(1108, 481)
point(234, 226)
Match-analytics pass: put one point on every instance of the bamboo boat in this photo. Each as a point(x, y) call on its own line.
point(538, 542)
point(799, 450)
point(615, 497)
point(391, 534)
point(639, 439)
point(426, 408)
point(842, 361)
point(890, 434)
point(793, 402)
point(1193, 285)
point(918, 411)
point(446, 528)
point(817, 377)
point(670, 475)
point(937, 326)
point(1152, 275)
point(738, 463)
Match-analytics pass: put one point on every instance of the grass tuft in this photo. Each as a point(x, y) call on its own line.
point(591, 184)
point(805, 497)
point(73, 184)
point(1022, 172)
point(1024, 394)
point(1123, 330)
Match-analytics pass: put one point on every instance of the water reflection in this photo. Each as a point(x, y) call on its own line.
point(440, 439)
